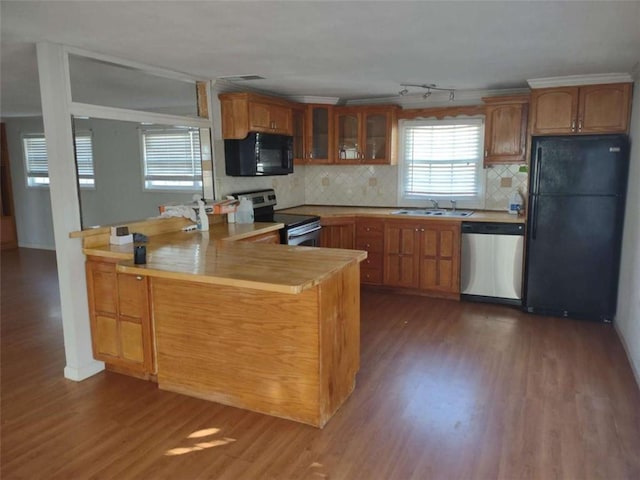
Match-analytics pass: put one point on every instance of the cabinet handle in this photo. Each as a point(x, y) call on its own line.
point(573, 126)
point(422, 229)
point(486, 153)
point(580, 125)
point(368, 229)
point(139, 277)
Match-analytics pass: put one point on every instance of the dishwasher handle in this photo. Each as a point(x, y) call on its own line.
point(493, 228)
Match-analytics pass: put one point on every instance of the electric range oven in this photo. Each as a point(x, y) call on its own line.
point(301, 230)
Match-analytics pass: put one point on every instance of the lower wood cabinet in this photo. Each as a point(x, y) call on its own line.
point(423, 255)
point(370, 237)
point(121, 328)
point(269, 237)
point(337, 232)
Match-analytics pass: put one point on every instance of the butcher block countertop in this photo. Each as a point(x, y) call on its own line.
point(385, 212)
point(199, 257)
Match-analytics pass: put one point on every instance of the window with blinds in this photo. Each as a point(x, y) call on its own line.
point(172, 159)
point(442, 159)
point(84, 160)
point(37, 164)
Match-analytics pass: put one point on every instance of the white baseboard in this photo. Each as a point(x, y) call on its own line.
point(636, 371)
point(36, 246)
point(84, 372)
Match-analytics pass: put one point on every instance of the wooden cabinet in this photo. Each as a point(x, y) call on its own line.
point(337, 232)
point(365, 135)
point(370, 237)
point(581, 110)
point(505, 134)
point(423, 255)
point(121, 328)
point(269, 237)
point(249, 112)
point(298, 127)
point(319, 134)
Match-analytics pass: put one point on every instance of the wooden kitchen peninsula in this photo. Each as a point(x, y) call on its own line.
point(270, 328)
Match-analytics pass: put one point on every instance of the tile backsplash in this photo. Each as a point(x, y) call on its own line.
point(370, 185)
point(373, 185)
point(498, 191)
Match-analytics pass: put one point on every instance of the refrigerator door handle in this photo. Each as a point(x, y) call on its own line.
point(534, 215)
point(537, 165)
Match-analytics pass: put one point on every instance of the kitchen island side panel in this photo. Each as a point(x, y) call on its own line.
point(242, 347)
point(340, 339)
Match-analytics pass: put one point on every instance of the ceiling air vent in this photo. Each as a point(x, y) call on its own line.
point(242, 78)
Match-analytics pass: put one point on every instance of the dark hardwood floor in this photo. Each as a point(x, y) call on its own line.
point(446, 390)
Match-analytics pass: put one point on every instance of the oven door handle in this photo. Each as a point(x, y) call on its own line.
point(305, 233)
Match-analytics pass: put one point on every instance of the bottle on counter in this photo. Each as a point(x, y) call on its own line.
point(516, 203)
point(203, 219)
point(244, 214)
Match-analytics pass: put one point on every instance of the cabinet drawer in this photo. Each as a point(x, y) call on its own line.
point(373, 260)
point(369, 229)
point(370, 275)
point(370, 244)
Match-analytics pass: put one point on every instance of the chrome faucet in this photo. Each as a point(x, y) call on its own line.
point(453, 205)
point(435, 203)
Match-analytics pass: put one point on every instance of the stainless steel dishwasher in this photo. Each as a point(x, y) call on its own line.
point(491, 268)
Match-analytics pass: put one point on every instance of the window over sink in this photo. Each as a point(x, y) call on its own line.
point(441, 160)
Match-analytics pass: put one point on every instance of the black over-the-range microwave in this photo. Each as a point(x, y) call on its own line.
point(259, 154)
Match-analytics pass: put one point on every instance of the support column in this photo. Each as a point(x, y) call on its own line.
point(65, 209)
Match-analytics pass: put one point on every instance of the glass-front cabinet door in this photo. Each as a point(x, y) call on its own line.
point(348, 136)
point(318, 125)
point(376, 126)
point(298, 119)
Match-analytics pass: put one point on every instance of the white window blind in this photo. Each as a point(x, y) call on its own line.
point(172, 159)
point(35, 158)
point(84, 160)
point(442, 158)
point(37, 164)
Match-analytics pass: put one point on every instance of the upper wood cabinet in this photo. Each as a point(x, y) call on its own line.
point(581, 110)
point(249, 112)
point(318, 133)
point(365, 135)
point(298, 126)
point(505, 134)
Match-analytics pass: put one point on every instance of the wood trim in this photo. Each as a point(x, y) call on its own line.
point(507, 99)
point(440, 112)
point(203, 99)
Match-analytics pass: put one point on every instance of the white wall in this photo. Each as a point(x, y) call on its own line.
point(32, 205)
point(628, 316)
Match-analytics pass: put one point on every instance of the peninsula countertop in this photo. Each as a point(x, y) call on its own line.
point(197, 257)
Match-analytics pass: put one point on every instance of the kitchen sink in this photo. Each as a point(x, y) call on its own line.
point(434, 212)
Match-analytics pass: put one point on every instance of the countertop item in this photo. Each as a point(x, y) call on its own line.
point(386, 212)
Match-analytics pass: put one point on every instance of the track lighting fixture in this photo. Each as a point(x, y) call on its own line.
point(429, 88)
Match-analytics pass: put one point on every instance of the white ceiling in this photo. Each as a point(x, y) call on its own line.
point(358, 49)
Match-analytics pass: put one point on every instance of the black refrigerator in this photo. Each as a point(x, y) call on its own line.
point(574, 225)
